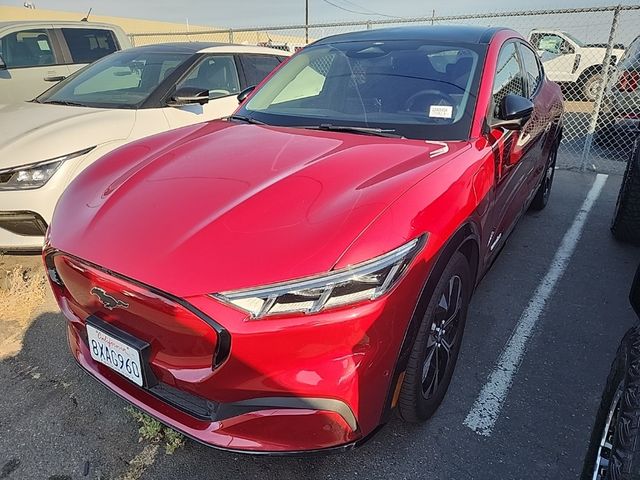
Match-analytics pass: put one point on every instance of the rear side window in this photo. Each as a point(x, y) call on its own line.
point(531, 68)
point(87, 45)
point(28, 48)
point(508, 77)
point(257, 67)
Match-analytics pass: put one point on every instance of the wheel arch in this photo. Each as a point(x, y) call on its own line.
point(588, 73)
point(465, 240)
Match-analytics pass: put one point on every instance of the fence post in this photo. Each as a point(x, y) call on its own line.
point(230, 35)
point(606, 67)
point(306, 22)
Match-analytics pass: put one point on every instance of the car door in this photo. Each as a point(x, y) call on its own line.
point(558, 55)
point(219, 75)
point(511, 148)
point(34, 63)
point(533, 137)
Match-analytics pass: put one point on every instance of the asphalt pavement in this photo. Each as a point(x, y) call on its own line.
point(57, 423)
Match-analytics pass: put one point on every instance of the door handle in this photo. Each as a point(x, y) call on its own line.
point(54, 78)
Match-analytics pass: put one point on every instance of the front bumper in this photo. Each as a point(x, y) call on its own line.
point(289, 384)
point(38, 203)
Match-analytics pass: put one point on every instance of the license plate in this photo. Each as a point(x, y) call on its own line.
point(115, 354)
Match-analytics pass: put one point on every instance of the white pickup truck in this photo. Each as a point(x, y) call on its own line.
point(573, 64)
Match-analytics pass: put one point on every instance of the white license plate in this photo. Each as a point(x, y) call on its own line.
point(115, 354)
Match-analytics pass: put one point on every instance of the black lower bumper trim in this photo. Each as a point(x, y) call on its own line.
point(207, 410)
point(23, 223)
point(288, 453)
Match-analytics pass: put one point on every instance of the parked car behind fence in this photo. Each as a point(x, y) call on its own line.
point(577, 66)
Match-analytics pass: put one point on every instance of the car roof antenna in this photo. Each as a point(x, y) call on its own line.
point(86, 19)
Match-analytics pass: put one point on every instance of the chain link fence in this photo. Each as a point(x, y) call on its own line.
point(593, 53)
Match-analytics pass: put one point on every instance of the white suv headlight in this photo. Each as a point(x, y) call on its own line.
point(361, 282)
point(35, 175)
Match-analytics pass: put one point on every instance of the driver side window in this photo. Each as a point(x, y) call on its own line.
point(554, 44)
point(508, 78)
point(217, 74)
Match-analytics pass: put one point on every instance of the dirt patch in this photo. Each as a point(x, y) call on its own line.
point(23, 294)
point(141, 462)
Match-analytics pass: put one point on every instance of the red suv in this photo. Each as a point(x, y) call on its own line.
point(283, 280)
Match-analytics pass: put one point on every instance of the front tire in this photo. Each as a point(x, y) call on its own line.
point(590, 87)
point(625, 225)
point(437, 344)
point(542, 195)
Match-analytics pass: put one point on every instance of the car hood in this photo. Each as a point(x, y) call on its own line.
point(33, 132)
point(222, 206)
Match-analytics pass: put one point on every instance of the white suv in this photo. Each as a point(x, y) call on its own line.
point(36, 55)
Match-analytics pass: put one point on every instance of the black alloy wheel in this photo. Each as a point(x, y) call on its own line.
point(437, 343)
point(544, 191)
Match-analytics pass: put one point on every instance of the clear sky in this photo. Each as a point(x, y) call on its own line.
point(235, 13)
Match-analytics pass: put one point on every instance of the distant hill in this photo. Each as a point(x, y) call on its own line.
point(129, 25)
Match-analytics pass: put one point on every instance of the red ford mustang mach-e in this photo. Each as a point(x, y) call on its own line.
point(283, 280)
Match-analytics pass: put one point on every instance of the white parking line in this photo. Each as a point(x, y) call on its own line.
point(483, 415)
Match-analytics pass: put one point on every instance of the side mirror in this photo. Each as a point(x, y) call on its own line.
point(513, 112)
point(242, 96)
point(3, 66)
point(634, 296)
point(187, 96)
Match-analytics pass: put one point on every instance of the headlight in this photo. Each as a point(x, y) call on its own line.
point(34, 175)
point(361, 282)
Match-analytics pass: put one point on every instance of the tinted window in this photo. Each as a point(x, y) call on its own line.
point(27, 49)
point(553, 44)
point(257, 67)
point(88, 44)
point(217, 74)
point(122, 80)
point(531, 68)
point(508, 77)
point(405, 87)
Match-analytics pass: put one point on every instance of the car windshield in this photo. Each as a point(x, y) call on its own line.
point(121, 80)
point(407, 88)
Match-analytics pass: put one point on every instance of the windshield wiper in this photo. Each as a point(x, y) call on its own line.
point(64, 102)
point(242, 118)
point(378, 132)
